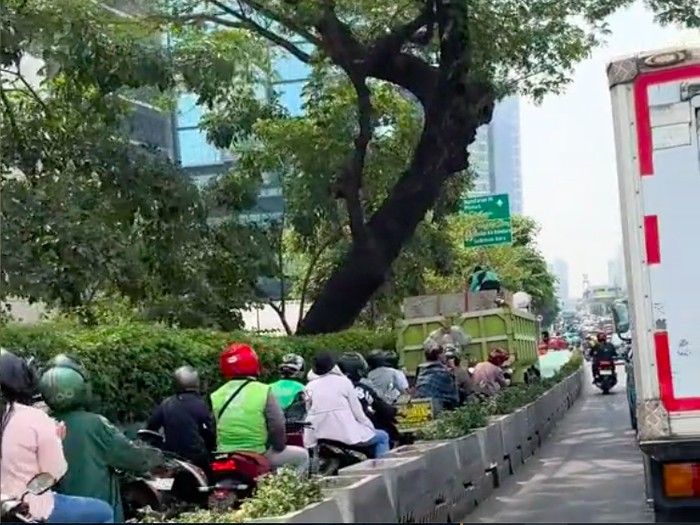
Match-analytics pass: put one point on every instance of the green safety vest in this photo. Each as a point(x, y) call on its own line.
point(242, 426)
point(286, 391)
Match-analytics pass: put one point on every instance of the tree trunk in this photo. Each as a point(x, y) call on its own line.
point(440, 152)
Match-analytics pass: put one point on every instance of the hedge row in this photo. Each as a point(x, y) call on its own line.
point(131, 365)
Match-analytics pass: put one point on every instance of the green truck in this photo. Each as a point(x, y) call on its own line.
point(516, 331)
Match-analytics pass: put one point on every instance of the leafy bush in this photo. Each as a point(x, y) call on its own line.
point(131, 364)
point(463, 420)
point(277, 494)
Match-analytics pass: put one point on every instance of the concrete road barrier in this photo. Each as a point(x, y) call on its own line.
point(440, 481)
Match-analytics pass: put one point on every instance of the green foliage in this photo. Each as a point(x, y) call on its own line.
point(130, 365)
point(463, 420)
point(277, 494)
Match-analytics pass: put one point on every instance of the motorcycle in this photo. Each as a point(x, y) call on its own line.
point(606, 378)
point(333, 455)
point(234, 476)
point(175, 486)
point(15, 510)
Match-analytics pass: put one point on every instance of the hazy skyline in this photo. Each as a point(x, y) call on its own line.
point(568, 156)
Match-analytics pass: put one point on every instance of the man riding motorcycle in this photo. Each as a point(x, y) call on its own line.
point(290, 387)
point(434, 380)
point(488, 376)
point(465, 384)
point(387, 382)
point(187, 422)
point(602, 350)
point(381, 413)
point(94, 448)
point(248, 416)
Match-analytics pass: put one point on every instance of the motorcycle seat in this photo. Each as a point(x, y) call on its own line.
point(252, 463)
point(360, 447)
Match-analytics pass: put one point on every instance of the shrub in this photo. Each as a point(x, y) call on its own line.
point(130, 365)
point(277, 494)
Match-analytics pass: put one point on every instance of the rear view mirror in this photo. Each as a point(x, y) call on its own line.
point(620, 313)
point(40, 483)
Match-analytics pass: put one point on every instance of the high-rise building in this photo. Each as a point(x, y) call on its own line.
point(616, 270)
point(560, 268)
point(494, 156)
point(505, 134)
point(204, 161)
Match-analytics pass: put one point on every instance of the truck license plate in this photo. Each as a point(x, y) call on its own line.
point(606, 372)
point(162, 484)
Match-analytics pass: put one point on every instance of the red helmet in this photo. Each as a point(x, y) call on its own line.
point(498, 356)
point(239, 360)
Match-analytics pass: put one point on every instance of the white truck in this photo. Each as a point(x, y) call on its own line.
point(656, 113)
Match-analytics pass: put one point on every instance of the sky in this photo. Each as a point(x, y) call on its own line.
point(568, 156)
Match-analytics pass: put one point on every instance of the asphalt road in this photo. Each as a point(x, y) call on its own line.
point(589, 470)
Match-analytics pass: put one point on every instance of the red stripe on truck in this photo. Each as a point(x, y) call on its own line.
point(651, 239)
point(641, 85)
point(663, 368)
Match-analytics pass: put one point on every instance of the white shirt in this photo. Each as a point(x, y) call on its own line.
point(335, 411)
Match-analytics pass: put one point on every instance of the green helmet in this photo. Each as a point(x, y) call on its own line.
point(64, 386)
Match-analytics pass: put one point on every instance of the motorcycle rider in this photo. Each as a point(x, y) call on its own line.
point(381, 413)
point(290, 387)
point(602, 350)
point(488, 376)
point(94, 448)
point(434, 380)
point(248, 416)
point(187, 422)
point(387, 382)
point(335, 411)
point(465, 385)
point(31, 444)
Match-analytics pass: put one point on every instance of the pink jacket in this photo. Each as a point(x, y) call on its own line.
point(488, 378)
point(30, 445)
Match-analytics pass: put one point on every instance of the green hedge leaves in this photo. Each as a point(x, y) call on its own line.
point(131, 365)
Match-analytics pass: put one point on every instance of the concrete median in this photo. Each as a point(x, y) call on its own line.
point(440, 481)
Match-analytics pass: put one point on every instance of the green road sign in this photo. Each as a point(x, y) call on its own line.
point(497, 229)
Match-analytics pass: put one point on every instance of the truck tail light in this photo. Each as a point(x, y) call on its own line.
point(681, 480)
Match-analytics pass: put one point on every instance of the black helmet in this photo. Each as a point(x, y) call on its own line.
point(186, 379)
point(392, 359)
point(353, 365)
point(376, 359)
point(18, 380)
point(451, 352)
point(292, 366)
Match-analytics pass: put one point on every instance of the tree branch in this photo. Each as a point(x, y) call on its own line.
point(246, 23)
point(350, 181)
point(310, 271)
point(392, 43)
point(32, 91)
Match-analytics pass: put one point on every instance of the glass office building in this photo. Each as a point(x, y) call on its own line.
point(204, 161)
point(494, 156)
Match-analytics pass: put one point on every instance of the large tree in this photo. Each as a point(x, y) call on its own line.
point(455, 58)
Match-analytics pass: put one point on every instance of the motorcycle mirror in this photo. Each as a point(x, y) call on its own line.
point(150, 437)
point(620, 314)
point(40, 483)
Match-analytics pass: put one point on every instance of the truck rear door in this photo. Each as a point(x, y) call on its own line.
point(656, 112)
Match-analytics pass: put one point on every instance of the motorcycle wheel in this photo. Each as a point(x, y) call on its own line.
point(223, 501)
point(328, 466)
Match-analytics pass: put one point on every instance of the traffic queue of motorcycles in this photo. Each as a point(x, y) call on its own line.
point(177, 485)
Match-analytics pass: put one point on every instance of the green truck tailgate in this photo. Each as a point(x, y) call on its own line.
point(513, 330)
